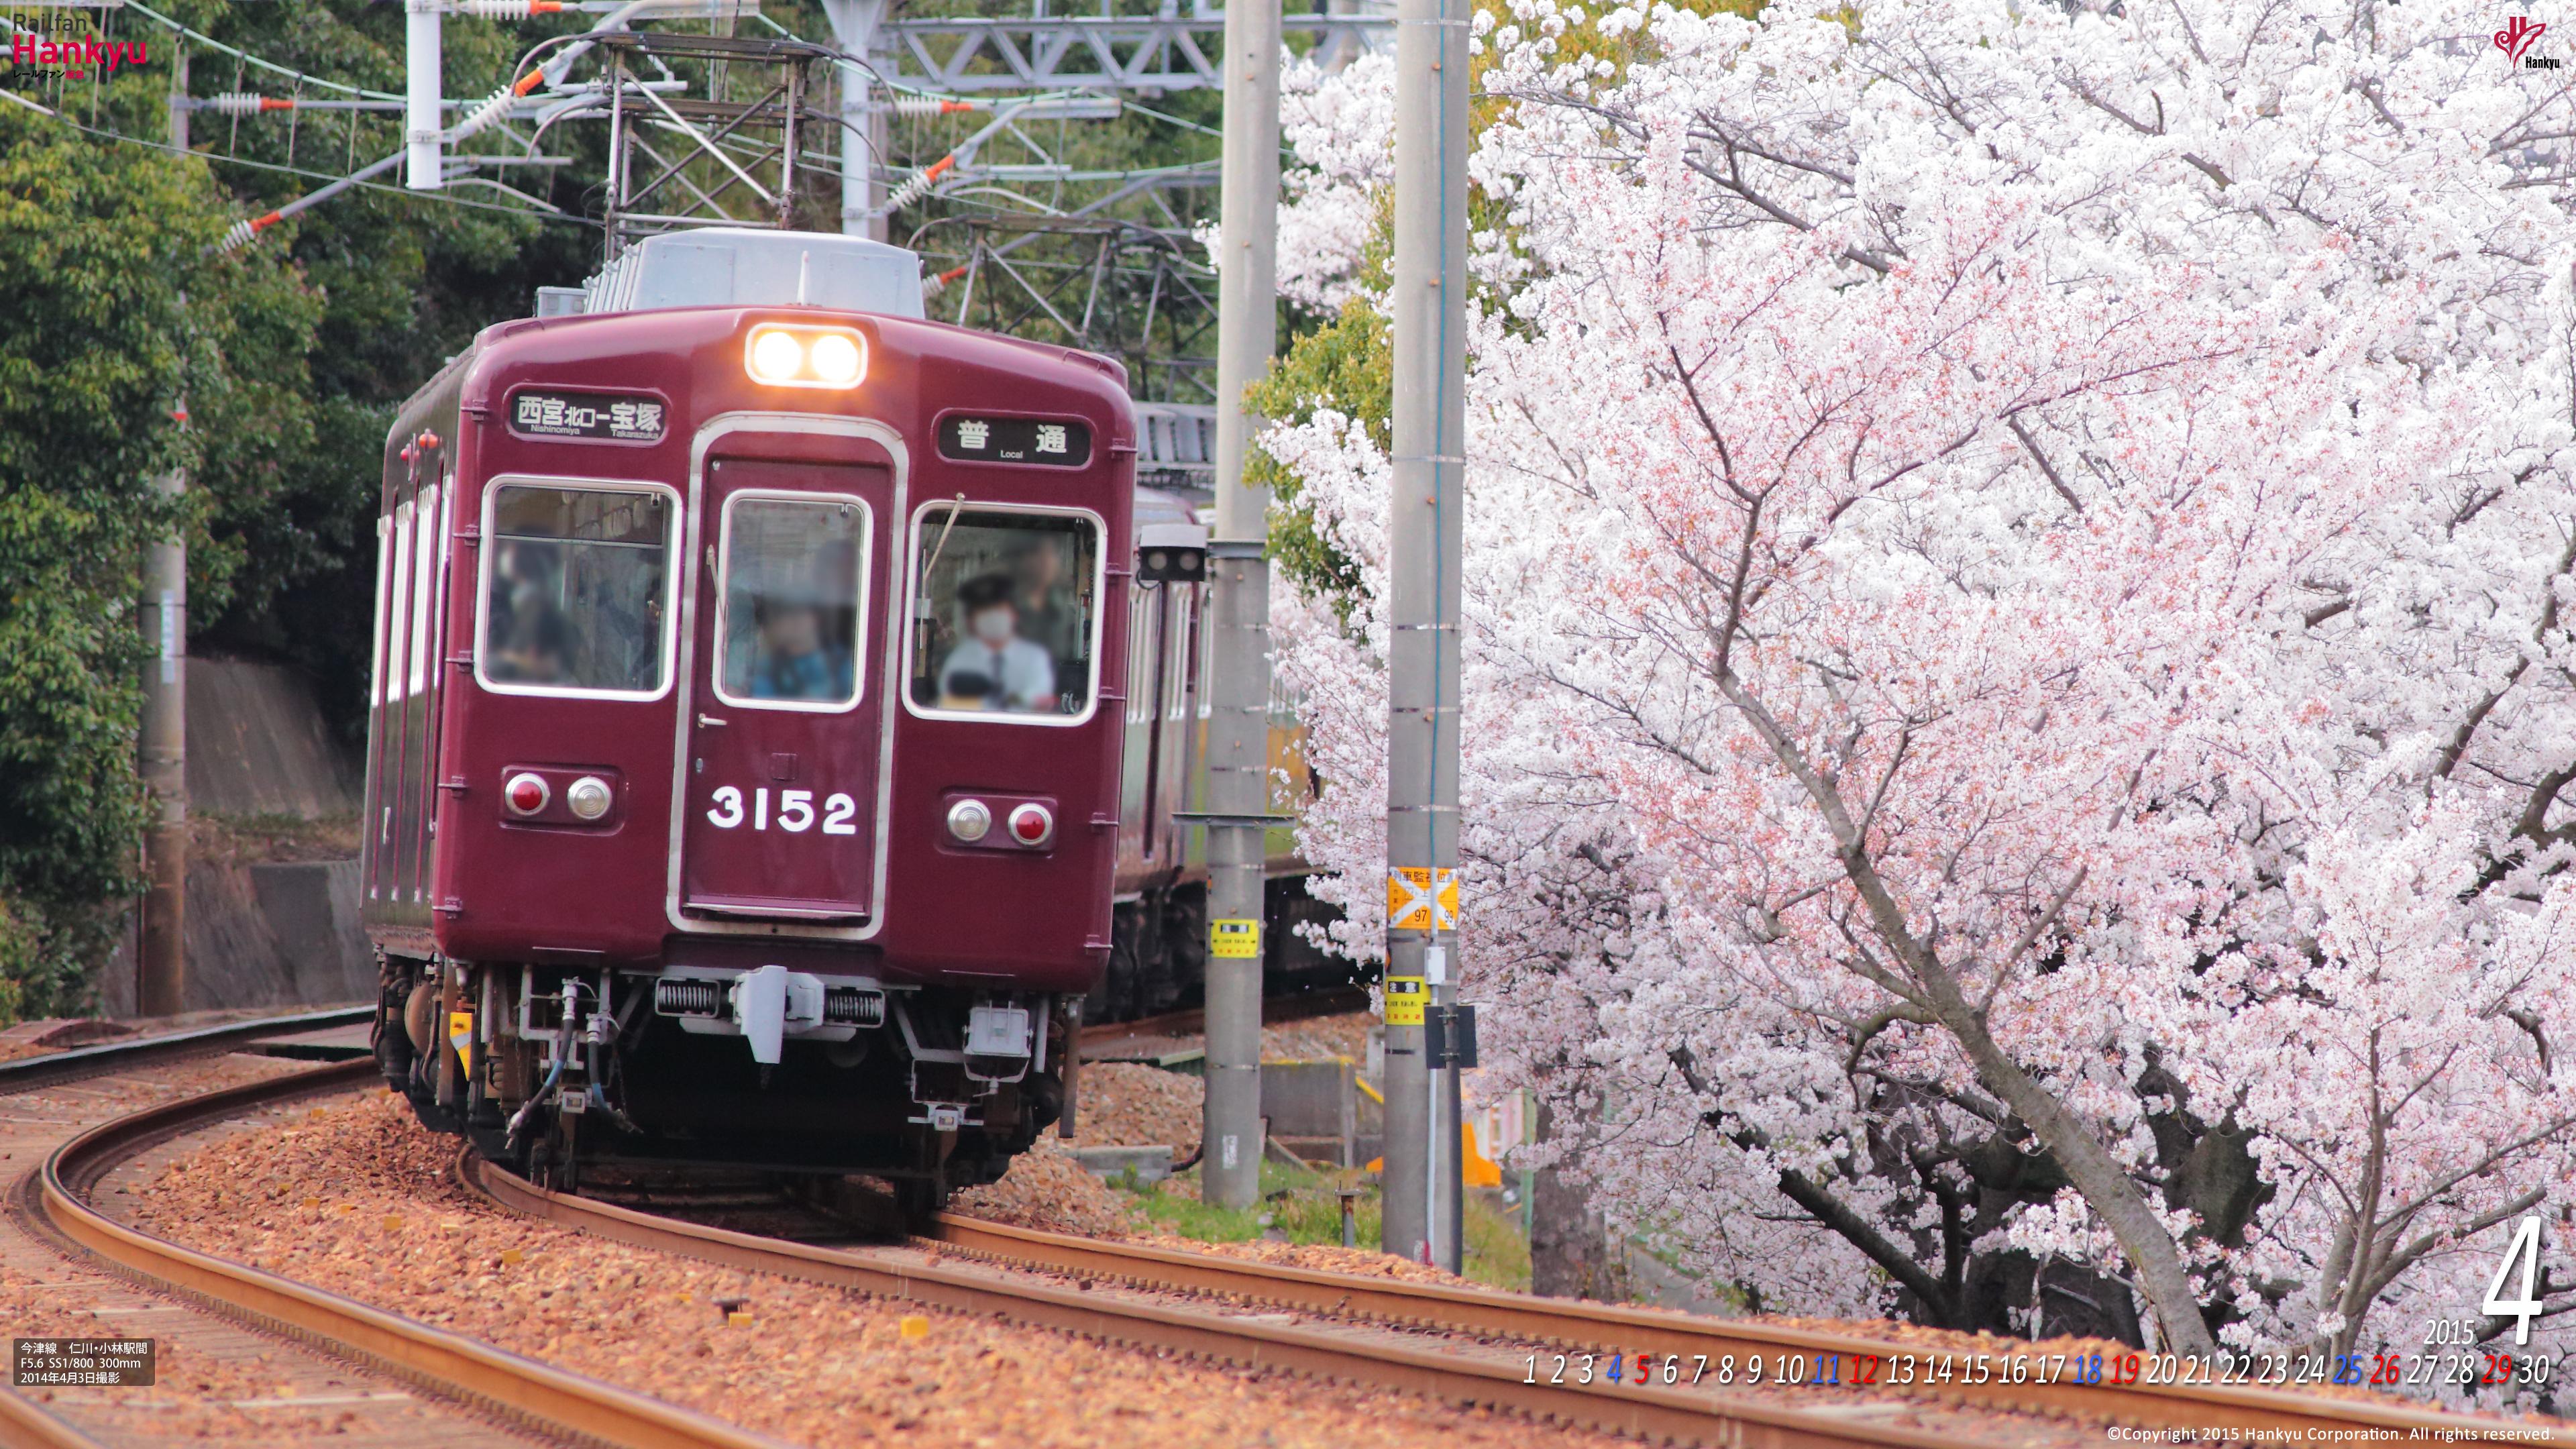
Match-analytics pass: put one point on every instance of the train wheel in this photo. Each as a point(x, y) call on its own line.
point(920, 1199)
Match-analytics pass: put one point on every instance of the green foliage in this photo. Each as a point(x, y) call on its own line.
point(1347, 365)
point(112, 317)
point(1304, 1207)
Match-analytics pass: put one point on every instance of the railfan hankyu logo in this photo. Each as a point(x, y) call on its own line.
point(50, 48)
point(2515, 41)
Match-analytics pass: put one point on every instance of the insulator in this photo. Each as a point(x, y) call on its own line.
point(244, 103)
point(239, 235)
point(505, 9)
point(919, 107)
point(483, 117)
point(919, 186)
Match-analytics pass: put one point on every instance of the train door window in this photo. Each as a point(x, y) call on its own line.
point(1005, 614)
point(424, 555)
point(577, 589)
point(791, 622)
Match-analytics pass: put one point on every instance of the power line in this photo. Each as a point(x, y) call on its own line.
point(326, 176)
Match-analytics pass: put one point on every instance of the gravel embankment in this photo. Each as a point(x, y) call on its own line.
point(356, 1199)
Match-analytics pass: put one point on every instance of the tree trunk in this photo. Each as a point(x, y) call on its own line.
point(1570, 1254)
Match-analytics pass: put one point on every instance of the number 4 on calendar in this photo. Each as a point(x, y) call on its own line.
point(2524, 1249)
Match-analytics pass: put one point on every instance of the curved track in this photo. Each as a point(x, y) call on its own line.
point(581, 1408)
point(2302, 1417)
point(565, 1405)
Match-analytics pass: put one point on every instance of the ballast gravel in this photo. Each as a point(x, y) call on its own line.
point(355, 1197)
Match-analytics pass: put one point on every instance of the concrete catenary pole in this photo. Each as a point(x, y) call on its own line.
point(1239, 610)
point(1423, 553)
point(161, 976)
point(863, 128)
point(422, 117)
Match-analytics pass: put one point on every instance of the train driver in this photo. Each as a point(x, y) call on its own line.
point(993, 667)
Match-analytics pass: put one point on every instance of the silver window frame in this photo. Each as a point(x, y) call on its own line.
point(724, 600)
point(490, 542)
point(917, 536)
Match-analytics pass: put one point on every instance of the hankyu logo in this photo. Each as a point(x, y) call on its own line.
point(34, 54)
point(2515, 41)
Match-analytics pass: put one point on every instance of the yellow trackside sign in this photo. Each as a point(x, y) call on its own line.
point(1234, 940)
point(1419, 898)
point(1404, 998)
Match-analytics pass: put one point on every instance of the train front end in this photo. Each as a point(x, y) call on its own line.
point(759, 803)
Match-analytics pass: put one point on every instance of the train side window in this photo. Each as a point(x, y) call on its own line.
point(1005, 619)
point(576, 590)
point(790, 626)
point(396, 619)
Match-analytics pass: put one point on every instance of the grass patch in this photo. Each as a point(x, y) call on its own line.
point(1302, 1207)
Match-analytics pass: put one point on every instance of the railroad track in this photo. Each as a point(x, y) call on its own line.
point(1190, 1021)
point(580, 1408)
point(51, 1068)
point(561, 1405)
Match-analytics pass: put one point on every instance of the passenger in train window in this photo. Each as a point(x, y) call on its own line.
point(534, 651)
point(1048, 614)
point(994, 667)
point(794, 661)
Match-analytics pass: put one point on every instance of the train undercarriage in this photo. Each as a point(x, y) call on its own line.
point(547, 1069)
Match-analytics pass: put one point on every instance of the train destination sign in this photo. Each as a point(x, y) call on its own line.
point(1015, 440)
point(587, 415)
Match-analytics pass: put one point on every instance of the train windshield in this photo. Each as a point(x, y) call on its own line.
point(791, 629)
point(576, 594)
point(1004, 619)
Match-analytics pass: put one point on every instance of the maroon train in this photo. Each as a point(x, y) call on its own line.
point(753, 684)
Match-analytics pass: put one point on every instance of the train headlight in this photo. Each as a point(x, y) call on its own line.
point(1032, 824)
point(835, 359)
point(825, 357)
point(588, 797)
point(526, 793)
point(970, 820)
point(776, 356)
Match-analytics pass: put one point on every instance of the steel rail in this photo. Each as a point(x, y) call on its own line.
point(1657, 1332)
point(24, 1426)
point(1655, 1414)
point(49, 1068)
point(1275, 1011)
point(569, 1405)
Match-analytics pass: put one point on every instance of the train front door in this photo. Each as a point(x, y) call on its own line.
point(784, 713)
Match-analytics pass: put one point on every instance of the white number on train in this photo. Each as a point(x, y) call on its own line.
point(795, 811)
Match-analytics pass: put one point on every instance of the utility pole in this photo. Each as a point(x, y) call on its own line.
point(863, 129)
point(422, 117)
point(1239, 611)
point(1424, 541)
point(161, 975)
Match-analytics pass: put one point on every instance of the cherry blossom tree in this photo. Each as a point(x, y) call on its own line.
point(2018, 701)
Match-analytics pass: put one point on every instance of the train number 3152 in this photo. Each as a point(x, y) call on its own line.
point(795, 811)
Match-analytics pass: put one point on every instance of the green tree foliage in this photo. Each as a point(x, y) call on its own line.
point(112, 315)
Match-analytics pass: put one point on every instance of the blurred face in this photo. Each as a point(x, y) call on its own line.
point(1039, 569)
point(793, 630)
point(994, 625)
